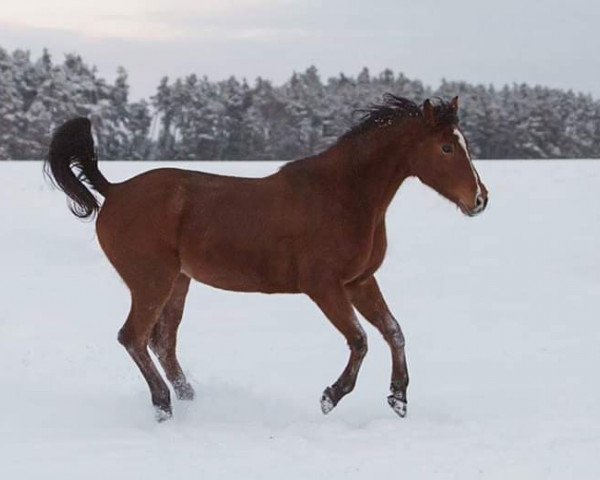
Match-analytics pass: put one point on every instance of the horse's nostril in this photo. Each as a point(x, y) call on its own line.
point(479, 201)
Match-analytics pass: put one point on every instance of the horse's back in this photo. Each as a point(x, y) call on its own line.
point(160, 195)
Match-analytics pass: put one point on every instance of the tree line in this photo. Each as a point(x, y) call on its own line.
point(194, 118)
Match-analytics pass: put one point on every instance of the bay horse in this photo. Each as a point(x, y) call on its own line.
point(316, 226)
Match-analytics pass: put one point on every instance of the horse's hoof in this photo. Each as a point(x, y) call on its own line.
point(162, 414)
point(185, 392)
point(398, 404)
point(327, 403)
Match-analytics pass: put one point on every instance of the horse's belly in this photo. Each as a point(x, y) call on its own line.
point(239, 282)
point(241, 271)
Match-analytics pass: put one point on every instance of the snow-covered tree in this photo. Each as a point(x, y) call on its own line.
point(195, 118)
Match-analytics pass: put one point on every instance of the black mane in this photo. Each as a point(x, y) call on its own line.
point(395, 109)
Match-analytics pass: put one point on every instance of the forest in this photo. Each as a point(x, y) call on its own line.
point(196, 118)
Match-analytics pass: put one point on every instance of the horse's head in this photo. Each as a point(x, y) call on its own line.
point(443, 161)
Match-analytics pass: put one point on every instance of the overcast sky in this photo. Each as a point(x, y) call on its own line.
point(555, 43)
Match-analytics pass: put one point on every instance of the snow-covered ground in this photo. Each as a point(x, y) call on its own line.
point(501, 315)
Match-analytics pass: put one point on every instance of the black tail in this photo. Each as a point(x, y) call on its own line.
point(72, 166)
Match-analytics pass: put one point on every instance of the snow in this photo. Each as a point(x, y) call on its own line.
point(500, 313)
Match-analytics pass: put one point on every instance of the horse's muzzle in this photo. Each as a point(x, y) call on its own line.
point(480, 204)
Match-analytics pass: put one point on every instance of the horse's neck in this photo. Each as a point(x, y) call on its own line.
point(373, 171)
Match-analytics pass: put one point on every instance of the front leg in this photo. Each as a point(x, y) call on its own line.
point(333, 300)
point(368, 300)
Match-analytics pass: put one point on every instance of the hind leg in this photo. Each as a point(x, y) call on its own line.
point(163, 340)
point(148, 299)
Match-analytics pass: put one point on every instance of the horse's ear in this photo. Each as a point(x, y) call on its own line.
point(428, 112)
point(454, 104)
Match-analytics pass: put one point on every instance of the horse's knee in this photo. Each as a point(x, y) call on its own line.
point(359, 345)
point(393, 333)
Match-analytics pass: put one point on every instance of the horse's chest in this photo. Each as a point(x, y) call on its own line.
point(368, 255)
point(378, 249)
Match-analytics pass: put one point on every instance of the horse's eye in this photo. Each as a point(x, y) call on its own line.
point(447, 148)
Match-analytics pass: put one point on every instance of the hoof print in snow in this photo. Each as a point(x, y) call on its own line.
point(398, 404)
